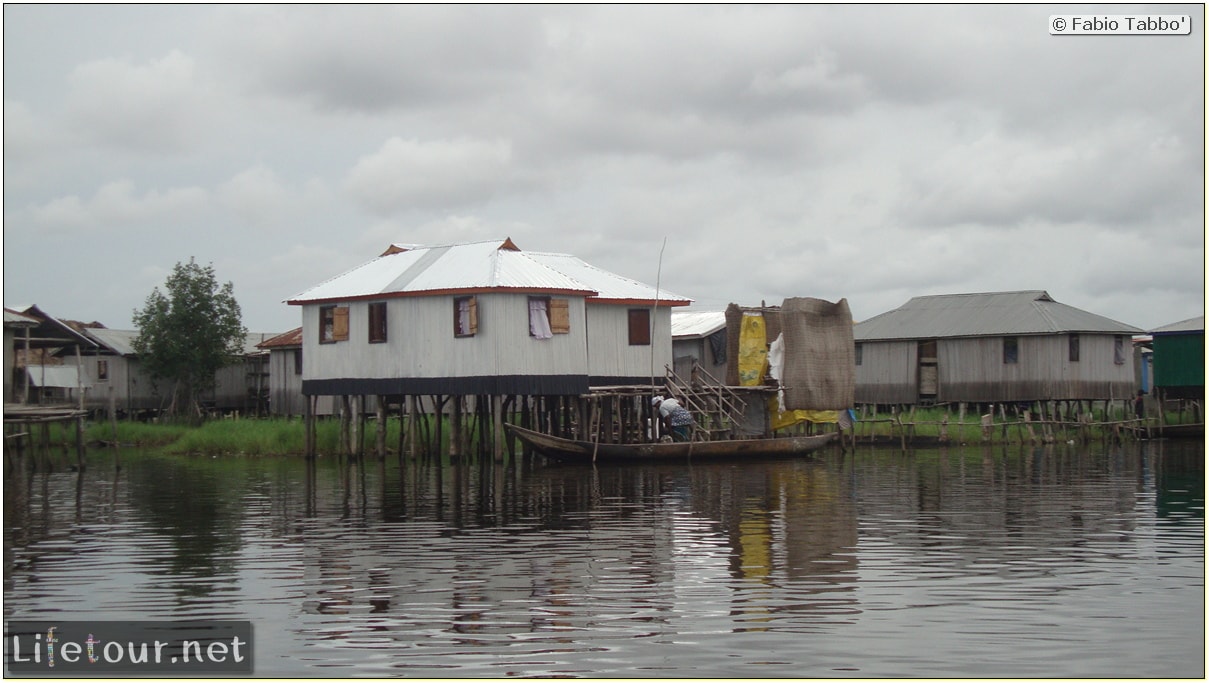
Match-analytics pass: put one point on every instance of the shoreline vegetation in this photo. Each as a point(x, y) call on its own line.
point(915, 427)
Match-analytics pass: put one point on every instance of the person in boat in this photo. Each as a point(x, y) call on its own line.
point(675, 418)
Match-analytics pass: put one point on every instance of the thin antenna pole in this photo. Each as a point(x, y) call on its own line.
point(655, 308)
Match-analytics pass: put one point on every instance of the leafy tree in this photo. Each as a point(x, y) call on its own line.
point(190, 333)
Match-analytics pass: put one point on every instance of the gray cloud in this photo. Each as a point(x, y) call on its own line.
point(868, 152)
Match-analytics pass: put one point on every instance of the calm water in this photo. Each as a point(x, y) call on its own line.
point(1005, 561)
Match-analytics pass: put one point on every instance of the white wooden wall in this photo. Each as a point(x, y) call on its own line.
point(609, 350)
point(421, 342)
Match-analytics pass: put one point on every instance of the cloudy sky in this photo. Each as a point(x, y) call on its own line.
point(873, 153)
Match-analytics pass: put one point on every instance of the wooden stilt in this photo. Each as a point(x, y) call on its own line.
point(342, 446)
point(309, 425)
point(455, 429)
point(497, 412)
point(380, 433)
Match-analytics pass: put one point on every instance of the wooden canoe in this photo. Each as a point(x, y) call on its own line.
point(570, 450)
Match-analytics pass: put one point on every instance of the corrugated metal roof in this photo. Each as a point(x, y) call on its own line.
point(122, 341)
point(50, 326)
point(118, 341)
point(606, 284)
point(478, 266)
point(12, 317)
point(284, 340)
point(470, 266)
point(982, 315)
point(691, 324)
point(60, 376)
point(1196, 324)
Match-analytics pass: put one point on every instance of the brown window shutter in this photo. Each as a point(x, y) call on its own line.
point(560, 316)
point(377, 321)
point(340, 323)
point(474, 315)
point(640, 327)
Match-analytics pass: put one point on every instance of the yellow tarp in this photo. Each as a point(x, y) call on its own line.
point(753, 350)
point(753, 365)
point(789, 418)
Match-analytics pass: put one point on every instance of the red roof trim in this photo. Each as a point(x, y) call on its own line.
point(640, 302)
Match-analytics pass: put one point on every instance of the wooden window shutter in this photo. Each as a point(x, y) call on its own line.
point(377, 321)
point(474, 315)
point(640, 327)
point(340, 323)
point(560, 316)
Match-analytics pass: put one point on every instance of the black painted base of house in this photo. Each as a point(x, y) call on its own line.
point(493, 385)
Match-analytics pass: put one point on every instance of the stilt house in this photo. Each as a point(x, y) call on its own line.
point(699, 337)
point(48, 358)
point(243, 386)
point(1179, 359)
point(16, 328)
point(480, 318)
point(115, 368)
point(119, 377)
point(996, 347)
point(285, 376)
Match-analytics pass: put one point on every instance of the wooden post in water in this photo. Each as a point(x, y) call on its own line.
point(455, 429)
point(497, 414)
point(902, 432)
point(357, 424)
point(402, 434)
point(380, 433)
point(411, 426)
point(345, 448)
point(308, 426)
point(113, 417)
point(439, 415)
point(961, 421)
point(80, 441)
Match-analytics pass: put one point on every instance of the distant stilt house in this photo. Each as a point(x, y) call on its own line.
point(481, 319)
point(118, 378)
point(114, 368)
point(285, 377)
point(47, 358)
point(699, 340)
point(16, 327)
point(243, 386)
point(1179, 360)
point(990, 348)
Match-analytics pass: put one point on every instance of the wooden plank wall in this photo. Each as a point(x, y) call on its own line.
point(972, 370)
point(421, 341)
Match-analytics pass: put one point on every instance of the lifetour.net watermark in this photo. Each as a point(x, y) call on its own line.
point(108, 648)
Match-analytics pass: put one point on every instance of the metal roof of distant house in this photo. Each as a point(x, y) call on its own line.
point(121, 342)
point(59, 376)
point(14, 319)
point(984, 315)
point(408, 270)
point(285, 340)
point(695, 324)
point(1196, 324)
point(53, 332)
